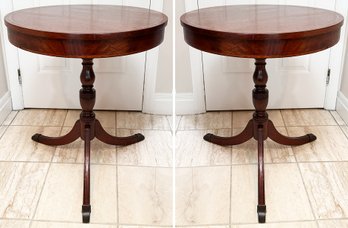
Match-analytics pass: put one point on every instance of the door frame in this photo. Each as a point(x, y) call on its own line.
point(151, 101)
point(337, 59)
point(11, 60)
point(336, 63)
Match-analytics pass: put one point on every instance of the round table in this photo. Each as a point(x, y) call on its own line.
point(86, 32)
point(261, 32)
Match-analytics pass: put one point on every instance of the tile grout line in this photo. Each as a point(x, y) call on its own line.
point(60, 221)
point(178, 128)
point(230, 203)
point(48, 169)
point(343, 131)
point(302, 179)
point(231, 162)
point(180, 167)
point(6, 127)
point(275, 222)
point(117, 198)
point(117, 180)
point(11, 120)
point(335, 118)
point(231, 133)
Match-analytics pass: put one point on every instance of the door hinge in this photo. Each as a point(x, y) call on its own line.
point(19, 76)
point(328, 76)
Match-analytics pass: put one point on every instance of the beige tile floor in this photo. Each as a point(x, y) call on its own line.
point(41, 186)
point(306, 186)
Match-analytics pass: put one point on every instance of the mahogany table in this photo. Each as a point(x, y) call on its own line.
point(260, 32)
point(86, 32)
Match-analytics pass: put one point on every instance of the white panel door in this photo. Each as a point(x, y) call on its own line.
point(51, 82)
point(296, 82)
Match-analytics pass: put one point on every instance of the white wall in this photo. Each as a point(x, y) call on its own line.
point(3, 81)
point(164, 79)
point(344, 82)
point(183, 78)
point(5, 98)
point(342, 101)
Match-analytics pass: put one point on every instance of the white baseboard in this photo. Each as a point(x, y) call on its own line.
point(342, 106)
point(161, 104)
point(187, 103)
point(5, 106)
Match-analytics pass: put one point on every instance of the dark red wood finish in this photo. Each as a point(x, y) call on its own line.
point(260, 32)
point(87, 32)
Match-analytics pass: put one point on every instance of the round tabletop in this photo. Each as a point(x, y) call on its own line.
point(86, 31)
point(261, 31)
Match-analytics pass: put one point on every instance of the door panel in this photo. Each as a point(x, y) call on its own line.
point(228, 80)
point(51, 82)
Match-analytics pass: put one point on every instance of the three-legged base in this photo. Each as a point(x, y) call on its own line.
point(260, 128)
point(87, 128)
point(77, 132)
point(260, 133)
point(86, 133)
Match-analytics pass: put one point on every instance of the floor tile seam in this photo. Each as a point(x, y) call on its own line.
point(28, 125)
point(313, 125)
point(276, 222)
point(340, 129)
point(151, 167)
point(330, 219)
point(331, 111)
point(42, 188)
point(117, 179)
point(69, 222)
point(241, 128)
point(6, 127)
point(316, 162)
point(16, 219)
point(147, 129)
point(60, 125)
point(178, 125)
point(230, 200)
point(11, 120)
point(305, 187)
point(145, 225)
point(231, 162)
point(205, 129)
point(121, 128)
point(204, 225)
point(92, 163)
point(303, 182)
point(247, 164)
point(167, 121)
point(170, 167)
point(45, 178)
point(117, 197)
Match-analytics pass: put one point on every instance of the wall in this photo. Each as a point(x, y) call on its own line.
point(3, 81)
point(342, 97)
point(5, 98)
point(344, 83)
point(183, 78)
point(164, 79)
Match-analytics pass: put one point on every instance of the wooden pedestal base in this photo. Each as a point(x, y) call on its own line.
point(260, 128)
point(87, 128)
